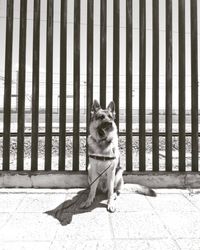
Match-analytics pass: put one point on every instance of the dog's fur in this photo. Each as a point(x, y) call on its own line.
point(103, 142)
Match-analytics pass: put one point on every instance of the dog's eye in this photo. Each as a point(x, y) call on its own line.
point(110, 116)
point(101, 117)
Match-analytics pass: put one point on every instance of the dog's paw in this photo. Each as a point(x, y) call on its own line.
point(86, 204)
point(111, 207)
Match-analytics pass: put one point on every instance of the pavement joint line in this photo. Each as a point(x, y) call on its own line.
point(111, 226)
point(11, 214)
point(118, 239)
point(176, 242)
point(145, 238)
point(91, 240)
point(192, 202)
point(25, 241)
point(7, 221)
point(164, 225)
point(53, 240)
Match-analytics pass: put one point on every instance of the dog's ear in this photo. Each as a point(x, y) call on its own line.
point(95, 106)
point(111, 107)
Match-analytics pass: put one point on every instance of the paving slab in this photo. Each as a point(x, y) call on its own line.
point(10, 202)
point(138, 225)
point(4, 218)
point(30, 245)
point(34, 203)
point(182, 224)
point(84, 226)
point(153, 244)
point(189, 244)
point(83, 245)
point(29, 227)
point(171, 203)
point(42, 219)
point(133, 203)
point(194, 199)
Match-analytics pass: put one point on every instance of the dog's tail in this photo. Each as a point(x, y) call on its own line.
point(145, 191)
point(140, 189)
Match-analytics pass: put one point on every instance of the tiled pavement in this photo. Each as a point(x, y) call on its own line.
point(39, 219)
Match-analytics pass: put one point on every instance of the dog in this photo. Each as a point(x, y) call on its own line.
point(104, 155)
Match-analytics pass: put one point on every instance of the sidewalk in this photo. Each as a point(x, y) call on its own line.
point(38, 219)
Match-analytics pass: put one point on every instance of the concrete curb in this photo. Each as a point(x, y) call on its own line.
point(67, 179)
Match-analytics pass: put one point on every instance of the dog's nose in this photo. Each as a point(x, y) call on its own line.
point(107, 124)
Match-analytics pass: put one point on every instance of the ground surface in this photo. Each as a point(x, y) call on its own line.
point(40, 219)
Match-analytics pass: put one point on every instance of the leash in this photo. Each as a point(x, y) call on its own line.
point(74, 202)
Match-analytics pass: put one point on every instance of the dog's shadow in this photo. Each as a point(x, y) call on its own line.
point(69, 208)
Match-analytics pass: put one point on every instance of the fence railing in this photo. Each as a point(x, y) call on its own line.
point(129, 61)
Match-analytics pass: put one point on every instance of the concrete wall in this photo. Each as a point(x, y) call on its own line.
point(66, 179)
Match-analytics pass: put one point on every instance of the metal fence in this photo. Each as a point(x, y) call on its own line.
point(76, 132)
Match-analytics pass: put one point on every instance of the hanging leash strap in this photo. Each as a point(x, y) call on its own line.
point(99, 176)
point(74, 202)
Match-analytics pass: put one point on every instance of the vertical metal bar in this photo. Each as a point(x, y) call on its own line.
point(35, 86)
point(155, 81)
point(21, 86)
point(76, 116)
point(168, 85)
point(194, 83)
point(63, 51)
point(129, 85)
point(116, 32)
point(181, 85)
point(103, 53)
point(90, 26)
point(49, 85)
point(142, 85)
point(8, 83)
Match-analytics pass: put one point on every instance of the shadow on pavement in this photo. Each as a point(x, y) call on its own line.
point(66, 210)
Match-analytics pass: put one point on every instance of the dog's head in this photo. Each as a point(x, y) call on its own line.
point(102, 121)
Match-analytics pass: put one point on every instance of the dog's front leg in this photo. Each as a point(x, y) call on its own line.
point(92, 192)
point(111, 195)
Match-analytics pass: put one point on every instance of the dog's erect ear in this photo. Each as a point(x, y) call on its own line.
point(95, 106)
point(111, 107)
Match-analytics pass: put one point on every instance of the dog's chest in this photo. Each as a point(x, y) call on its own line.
point(100, 166)
point(103, 148)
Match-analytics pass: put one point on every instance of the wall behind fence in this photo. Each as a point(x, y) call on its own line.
point(57, 56)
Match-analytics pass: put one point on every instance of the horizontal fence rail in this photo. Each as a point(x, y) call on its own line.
point(99, 50)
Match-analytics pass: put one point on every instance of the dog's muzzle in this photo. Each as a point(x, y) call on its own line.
point(105, 126)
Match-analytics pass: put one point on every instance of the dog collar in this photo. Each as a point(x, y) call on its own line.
point(102, 158)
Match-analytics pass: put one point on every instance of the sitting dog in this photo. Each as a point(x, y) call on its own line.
point(104, 155)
